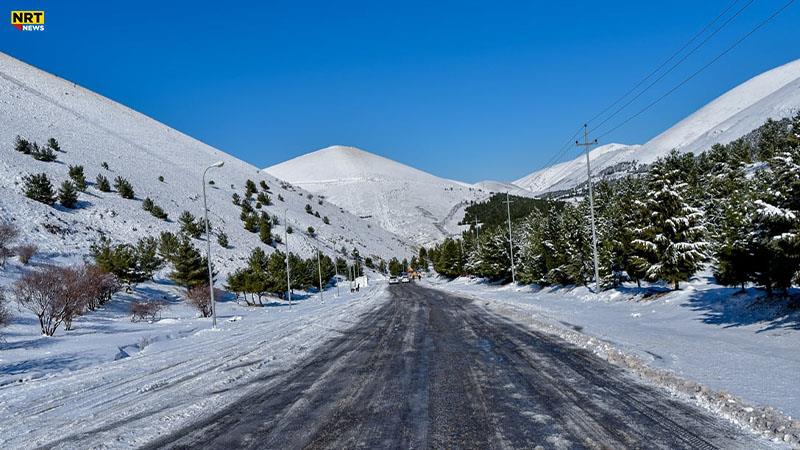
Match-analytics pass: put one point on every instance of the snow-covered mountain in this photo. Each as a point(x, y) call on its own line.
point(772, 94)
point(406, 201)
point(93, 130)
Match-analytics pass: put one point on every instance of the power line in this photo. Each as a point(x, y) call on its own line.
point(674, 66)
point(701, 69)
point(661, 66)
point(567, 145)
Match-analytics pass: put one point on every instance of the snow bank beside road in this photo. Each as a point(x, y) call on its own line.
point(170, 382)
point(702, 333)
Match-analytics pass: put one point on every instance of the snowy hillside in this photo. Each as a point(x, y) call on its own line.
point(93, 130)
point(773, 94)
point(406, 201)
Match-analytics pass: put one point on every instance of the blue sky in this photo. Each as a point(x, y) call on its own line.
point(465, 90)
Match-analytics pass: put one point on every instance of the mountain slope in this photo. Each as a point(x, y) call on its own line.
point(772, 94)
point(409, 202)
point(92, 130)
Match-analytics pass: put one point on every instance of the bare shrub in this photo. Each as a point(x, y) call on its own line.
point(149, 310)
point(45, 293)
point(8, 234)
point(100, 286)
point(200, 297)
point(26, 252)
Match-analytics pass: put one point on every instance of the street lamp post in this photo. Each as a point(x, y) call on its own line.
point(208, 246)
point(286, 238)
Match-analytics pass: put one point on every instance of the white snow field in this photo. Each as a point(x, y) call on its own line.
point(111, 383)
point(773, 94)
point(409, 202)
point(92, 129)
point(704, 332)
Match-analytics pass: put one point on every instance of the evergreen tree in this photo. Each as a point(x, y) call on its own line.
point(222, 239)
point(44, 154)
point(37, 187)
point(308, 209)
point(326, 221)
point(251, 222)
point(264, 229)
point(311, 231)
point(264, 185)
point(102, 183)
point(168, 245)
point(190, 226)
point(124, 188)
point(774, 223)
point(147, 259)
point(249, 188)
point(76, 173)
point(22, 146)
point(190, 268)
point(673, 235)
point(68, 194)
point(53, 143)
point(236, 199)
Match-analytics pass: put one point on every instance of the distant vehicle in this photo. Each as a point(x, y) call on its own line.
point(405, 279)
point(393, 280)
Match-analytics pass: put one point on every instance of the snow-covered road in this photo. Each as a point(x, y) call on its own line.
point(704, 333)
point(124, 403)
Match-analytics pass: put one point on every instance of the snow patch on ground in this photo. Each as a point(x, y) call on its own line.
point(112, 383)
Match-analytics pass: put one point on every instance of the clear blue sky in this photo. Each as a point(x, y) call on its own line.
point(466, 90)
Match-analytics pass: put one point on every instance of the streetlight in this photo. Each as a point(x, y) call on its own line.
point(286, 236)
point(208, 247)
point(319, 272)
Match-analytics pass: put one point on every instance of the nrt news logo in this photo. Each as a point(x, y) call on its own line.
point(28, 20)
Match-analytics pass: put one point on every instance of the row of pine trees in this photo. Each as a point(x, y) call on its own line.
point(735, 208)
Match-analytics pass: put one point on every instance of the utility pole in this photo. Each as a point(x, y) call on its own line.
point(586, 144)
point(477, 237)
point(510, 240)
point(319, 271)
point(286, 238)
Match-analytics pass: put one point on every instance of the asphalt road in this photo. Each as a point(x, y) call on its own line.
point(433, 370)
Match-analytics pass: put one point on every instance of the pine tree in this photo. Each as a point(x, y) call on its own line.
point(37, 187)
point(147, 259)
point(326, 221)
point(68, 195)
point(265, 229)
point(264, 185)
point(236, 199)
point(308, 209)
point(76, 173)
point(190, 268)
point(311, 231)
point(774, 221)
point(251, 223)
point(124, 188)
point(22, 146)
point(249, 188)
point(222, 239)
point(673, 235)
point(53, 143)
point(168, 245)
point(190, 226)
point(102, 183)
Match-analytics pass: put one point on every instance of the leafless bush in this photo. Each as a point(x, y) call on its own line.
point(100, 286)
point(26, 252)
point(200, 297)
point(8, 234)
point(149, 310)
point(46, 293)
